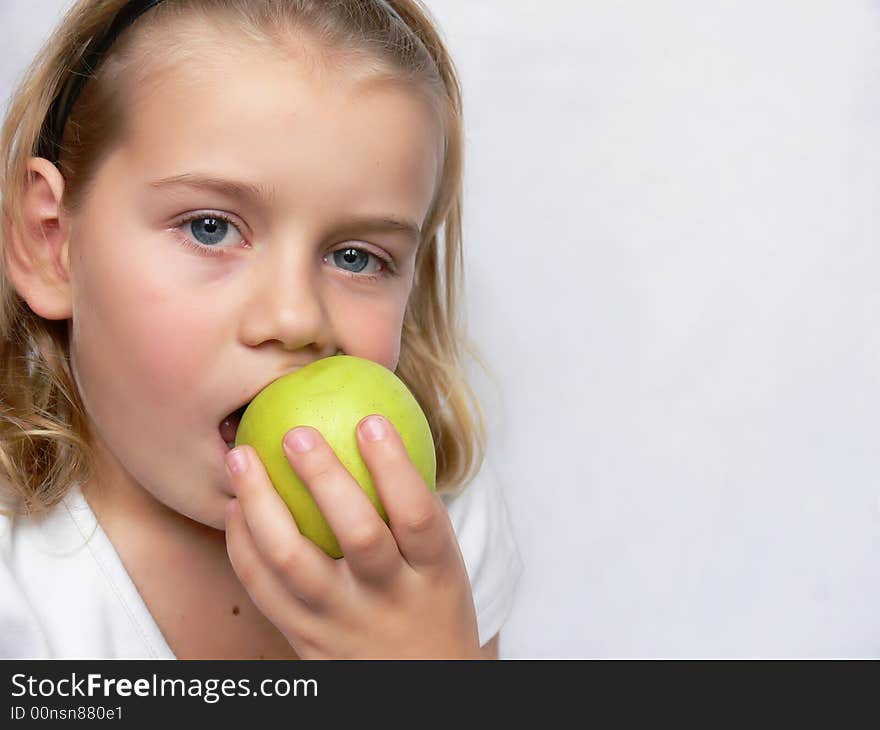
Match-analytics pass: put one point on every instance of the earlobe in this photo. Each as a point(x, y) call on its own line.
point(37, 256)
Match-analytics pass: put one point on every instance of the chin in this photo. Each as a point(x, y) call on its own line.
point(209, 511)
point(216, 517)
point(218, 524)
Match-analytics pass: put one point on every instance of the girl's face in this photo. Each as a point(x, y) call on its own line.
point(262, 213)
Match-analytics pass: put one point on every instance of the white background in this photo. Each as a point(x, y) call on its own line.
point(672, 267)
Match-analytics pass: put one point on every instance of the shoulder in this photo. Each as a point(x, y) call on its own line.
point(21, 636)
point(64, 592)
point(479, 515)
point(478, 512)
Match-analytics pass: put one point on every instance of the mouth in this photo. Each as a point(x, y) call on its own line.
point(229, 426)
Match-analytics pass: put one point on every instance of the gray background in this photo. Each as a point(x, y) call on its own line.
point(673, 270)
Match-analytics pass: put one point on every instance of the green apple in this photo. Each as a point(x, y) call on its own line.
point(333, 395)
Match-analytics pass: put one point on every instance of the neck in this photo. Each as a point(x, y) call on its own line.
point(118, 502)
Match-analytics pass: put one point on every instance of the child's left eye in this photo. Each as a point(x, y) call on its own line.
point(358, 259)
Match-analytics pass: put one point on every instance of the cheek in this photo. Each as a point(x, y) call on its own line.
point(137, 338)
point(373, 332)
point(170, 345)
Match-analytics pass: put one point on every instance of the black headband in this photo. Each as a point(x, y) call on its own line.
point(53, 127)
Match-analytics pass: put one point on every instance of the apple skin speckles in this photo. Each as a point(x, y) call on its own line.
point(333, 395)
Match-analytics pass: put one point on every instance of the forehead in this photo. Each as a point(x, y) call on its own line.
point(289, 123)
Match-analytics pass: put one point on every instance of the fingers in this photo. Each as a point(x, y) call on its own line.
point(266, 589)
point(366, 542)
point(418, 519)
point(303, 566)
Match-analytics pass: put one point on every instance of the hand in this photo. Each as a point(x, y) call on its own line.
point(400, 591)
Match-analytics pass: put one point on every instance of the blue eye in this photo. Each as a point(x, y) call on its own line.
point(209, 230)
point(354, 260)
point(208, 233)
point(353, 257)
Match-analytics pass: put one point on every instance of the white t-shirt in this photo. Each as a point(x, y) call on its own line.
point(64, 592)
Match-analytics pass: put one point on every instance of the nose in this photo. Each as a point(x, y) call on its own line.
point(285, 305)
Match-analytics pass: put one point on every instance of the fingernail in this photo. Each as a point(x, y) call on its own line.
point(236, 461)
point(300, 440)
point(374, 428)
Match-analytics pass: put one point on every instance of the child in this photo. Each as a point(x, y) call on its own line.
point(200, 196)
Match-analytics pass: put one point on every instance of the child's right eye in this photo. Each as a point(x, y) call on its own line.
point(208, 231)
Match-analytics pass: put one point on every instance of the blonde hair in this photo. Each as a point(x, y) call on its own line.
point(45, 442)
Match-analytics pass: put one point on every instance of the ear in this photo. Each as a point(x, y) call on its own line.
point(37, 257)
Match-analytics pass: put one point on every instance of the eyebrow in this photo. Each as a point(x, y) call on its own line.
point(226, 187)
point(250, 191)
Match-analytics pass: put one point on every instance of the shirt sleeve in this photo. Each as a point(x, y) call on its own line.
point(482, 524)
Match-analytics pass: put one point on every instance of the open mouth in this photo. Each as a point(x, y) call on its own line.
point(229, 426)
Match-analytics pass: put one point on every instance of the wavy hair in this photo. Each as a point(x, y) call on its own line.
point(46, 444)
